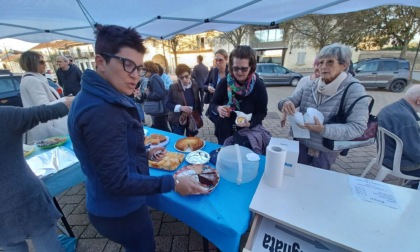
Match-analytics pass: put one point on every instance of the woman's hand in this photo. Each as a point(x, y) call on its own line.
point(283, 119)
point(210, 89)
point(67, 100)
point(156, 154)
point(318, 127)
point(187, 185)
point(223, 111)
point(288, 108)
point(186, 109)
point(137, 93)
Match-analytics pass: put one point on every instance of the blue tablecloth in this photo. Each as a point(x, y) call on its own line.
point(63, 179)
point(222, 216)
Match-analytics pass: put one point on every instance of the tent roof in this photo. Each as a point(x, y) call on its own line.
point(47, 20)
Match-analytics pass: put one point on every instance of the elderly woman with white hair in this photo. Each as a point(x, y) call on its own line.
point(325, 94)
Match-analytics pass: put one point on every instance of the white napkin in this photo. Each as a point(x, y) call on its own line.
point(242, 114)
point(309, 116)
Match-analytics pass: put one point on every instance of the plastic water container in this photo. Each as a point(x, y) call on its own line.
point(237, 164)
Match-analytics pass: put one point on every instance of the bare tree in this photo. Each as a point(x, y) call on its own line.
point(236, 36)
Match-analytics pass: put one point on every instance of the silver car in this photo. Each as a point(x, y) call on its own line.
point(275, 74)
point(392, 73)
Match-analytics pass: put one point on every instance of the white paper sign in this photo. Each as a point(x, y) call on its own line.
point(272, 237)
point(373, 191)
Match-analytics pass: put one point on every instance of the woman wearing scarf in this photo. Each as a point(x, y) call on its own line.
point(241, 90)
point(324, 94)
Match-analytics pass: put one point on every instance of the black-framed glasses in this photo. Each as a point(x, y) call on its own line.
point(184, 77)
point(242, 69)
point(128, 65)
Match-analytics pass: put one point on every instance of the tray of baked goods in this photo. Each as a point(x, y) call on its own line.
point(156, 140)
point(170, 161)
point(189, 144)
point(205, 175)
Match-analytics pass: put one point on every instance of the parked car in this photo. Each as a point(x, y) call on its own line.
point(275, 74)
point(391, 73)
point(10, 88)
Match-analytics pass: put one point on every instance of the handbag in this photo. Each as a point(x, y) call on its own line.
point(154, 108)
point(368, 136)
point(195, 121)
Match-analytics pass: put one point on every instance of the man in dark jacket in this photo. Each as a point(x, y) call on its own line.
point(401, 118)
point(199, 74)
point(68, 76)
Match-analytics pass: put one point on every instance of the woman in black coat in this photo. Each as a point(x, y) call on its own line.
point(213, 78)
point(241, 90)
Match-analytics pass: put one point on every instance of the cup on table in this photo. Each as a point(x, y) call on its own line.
point(228, 110)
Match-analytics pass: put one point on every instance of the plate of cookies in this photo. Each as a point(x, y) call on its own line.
point(170, 161)
point(205, 175)
point(156, 140)
point(189, 144)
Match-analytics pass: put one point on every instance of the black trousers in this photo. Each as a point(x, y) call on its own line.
point(160, 122)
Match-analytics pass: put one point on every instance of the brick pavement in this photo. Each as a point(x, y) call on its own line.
point(173, 235)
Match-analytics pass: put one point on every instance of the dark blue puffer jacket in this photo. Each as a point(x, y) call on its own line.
point(108, 140)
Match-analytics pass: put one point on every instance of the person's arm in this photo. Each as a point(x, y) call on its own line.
point(107, 148)
point(25, 119)
point(208, 81)
point(410, 136)
point(79, 74)
point(219, 96)
point(170, 104)
point(260, 107)
point(157, 93)
point(356, 122)
point(194, 73)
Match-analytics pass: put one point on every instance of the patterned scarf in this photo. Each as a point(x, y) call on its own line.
point(235, 88)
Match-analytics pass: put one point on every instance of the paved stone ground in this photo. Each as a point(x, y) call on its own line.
point(173, 235)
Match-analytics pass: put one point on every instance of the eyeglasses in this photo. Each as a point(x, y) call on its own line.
point(42, 62)
point(128, 65)
point(242, 69)
point(217, 60)
point(184, 77)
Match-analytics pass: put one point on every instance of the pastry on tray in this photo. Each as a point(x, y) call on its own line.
point(154, 139)
point(189, 144)
point(170, 162)
point(205, 175)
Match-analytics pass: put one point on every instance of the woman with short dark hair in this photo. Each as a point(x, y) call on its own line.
point(183, 99)
point(241, 90)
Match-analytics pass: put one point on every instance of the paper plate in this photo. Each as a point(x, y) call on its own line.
point(51, 142)
point(162, 144)
point(191, 170)
point(28, 149)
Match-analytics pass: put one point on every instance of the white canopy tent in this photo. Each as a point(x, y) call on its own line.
point(47, 20)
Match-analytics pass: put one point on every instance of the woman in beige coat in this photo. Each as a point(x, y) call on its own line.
point(35, 90)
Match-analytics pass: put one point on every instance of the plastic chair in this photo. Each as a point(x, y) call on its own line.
point(383, 170)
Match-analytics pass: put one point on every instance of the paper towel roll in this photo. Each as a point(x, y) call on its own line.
point(274, 165)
